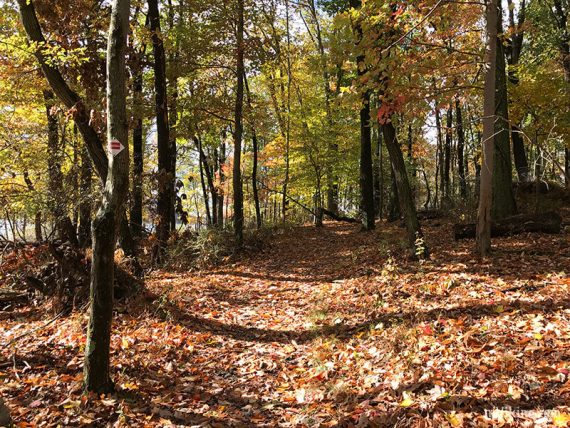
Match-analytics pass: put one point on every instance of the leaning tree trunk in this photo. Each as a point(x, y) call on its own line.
point(165, 178)
point(503, 197)
point(237, 184)
point(415, 236)
point(67, 96)
point(483, 232)
point(105, 225)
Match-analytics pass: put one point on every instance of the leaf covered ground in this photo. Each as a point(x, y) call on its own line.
point(324, 327)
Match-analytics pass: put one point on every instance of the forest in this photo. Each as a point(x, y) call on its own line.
point(285, 213)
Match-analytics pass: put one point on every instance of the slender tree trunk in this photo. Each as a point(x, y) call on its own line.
point(503, 197)
point(85, 198)
point(483, 233)
point(447, 157)
point(366, 174)
point(381, 173)
point(237, 184)
point(460, 150)
point(221, 160)
point(258, 220)
point(38, 215)
point(285, 201)
point(165, 178)
point(202, 166)
point(138, 161)
point(567, 167)
point(415, 236)
point(97, 375)
point(439, 157)
point(376, 174)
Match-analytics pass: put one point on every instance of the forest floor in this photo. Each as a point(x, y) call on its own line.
point(324, 327)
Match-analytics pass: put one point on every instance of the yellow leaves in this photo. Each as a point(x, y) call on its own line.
point(454, 419)
point(407, 401)
point(561, 419)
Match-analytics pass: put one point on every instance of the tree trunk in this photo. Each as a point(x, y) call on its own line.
point(446, 188)
point(503, 197)
point(85, 198)
point(460, 148)
point(378, 185)
point(513, 51)
point(483, 231)
point(394, 212)
point(567, 167)
point(439, 157)
point(415, 236)
point(258, 220)
point(165, 178)
point(138, 160)
point(237, 184)
point(61, 89)
point(366, 174)
point(202, 166)
point(97, 376)
point(220, 161)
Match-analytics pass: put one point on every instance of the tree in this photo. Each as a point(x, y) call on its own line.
point(366, 173)
point(238, 133)
point(105, 225)
point(483, 233)
point(165, 178)
point(503, 197)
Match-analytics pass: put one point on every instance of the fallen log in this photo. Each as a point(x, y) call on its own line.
point(338, 217)
point(547, 222)
point(429, 214)
point(10, 296)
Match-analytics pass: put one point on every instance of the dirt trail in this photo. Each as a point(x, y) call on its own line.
point(326, 327)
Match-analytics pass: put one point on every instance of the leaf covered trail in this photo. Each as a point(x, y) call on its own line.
point(325, 327)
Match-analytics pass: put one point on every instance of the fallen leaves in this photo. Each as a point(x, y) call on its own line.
point(323, 330)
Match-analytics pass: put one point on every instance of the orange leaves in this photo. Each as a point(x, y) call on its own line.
point(325, 329)
point(388, 108)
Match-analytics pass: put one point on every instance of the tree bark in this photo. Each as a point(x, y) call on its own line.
point(97, 376)
point(237, 184)
point(460, 148)
point(136, 217)
point(446, 188)
point(483, 230)
point(165, 178)
point(366, 174)
point(503, 197)
point(85, 198)
point(513, 51)
point(415, 236)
